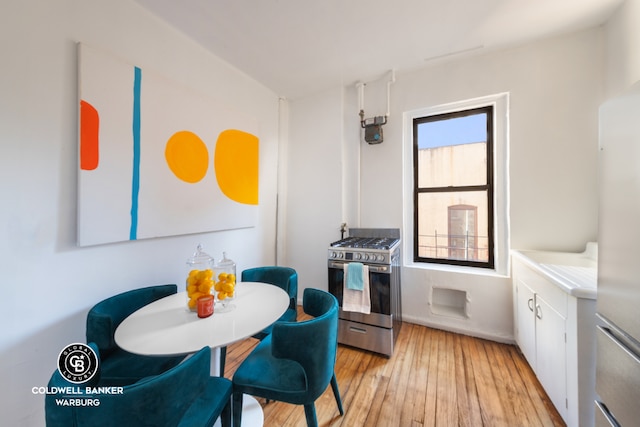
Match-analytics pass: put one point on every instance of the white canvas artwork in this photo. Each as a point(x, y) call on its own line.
point(157, 159)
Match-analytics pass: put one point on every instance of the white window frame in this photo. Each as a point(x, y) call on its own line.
point(501, 225)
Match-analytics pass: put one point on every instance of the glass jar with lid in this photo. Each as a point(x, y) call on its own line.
point(200, 276)
point(225, 285)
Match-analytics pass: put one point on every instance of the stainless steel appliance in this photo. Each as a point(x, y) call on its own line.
point(618, 303)
point(379, 250)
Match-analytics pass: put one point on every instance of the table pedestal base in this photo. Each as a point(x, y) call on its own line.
point(252, 414)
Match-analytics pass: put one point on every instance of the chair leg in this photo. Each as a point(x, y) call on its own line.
point(237, 409)
point(336, 393)
point(310, 414)
point(225, 416)
point(223, 359)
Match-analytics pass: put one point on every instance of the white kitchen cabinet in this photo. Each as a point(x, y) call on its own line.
point(540, 315)
point(551, 353)
point(555, 330)
point(525, 321)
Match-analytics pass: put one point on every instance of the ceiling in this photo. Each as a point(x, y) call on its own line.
point(298, 47)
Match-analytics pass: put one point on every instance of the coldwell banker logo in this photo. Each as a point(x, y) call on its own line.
point(78, 363)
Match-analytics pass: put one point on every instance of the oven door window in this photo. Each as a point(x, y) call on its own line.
point(379, 289)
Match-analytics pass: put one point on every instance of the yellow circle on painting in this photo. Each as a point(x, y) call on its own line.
point(187, 156)
point(236, 165)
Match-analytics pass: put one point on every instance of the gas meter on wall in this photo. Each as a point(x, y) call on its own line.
point(373, 128)
point(373, 125)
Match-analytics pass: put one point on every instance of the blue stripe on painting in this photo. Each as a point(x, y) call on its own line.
point(135, 184)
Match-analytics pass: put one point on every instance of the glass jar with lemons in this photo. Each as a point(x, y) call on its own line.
point(200, 277)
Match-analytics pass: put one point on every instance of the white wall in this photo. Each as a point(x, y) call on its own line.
point(48, 284)
point(314, 177)
point(555, 88)
point(622, 46)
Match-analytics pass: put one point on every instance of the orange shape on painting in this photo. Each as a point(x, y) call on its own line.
point(236, 164)
point(187, 156)
point(89, 127)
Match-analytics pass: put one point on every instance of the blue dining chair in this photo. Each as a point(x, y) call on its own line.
point(283, 277)
point(295, 363)
point(184, 396)
point(120, 367)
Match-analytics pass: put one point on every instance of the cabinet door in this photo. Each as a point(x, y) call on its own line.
point(551, 354)
point(525, 322)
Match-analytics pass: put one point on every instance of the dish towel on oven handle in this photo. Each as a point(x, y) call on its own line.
point(357, 300)
point(353, 276)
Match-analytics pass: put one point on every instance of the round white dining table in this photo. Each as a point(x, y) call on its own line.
point(167, 327)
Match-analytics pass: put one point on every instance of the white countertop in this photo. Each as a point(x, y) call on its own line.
point(574, 273)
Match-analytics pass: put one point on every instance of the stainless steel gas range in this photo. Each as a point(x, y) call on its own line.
point(379, 250)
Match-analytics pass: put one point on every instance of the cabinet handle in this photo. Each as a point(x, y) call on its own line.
point(538, 311)
point(530, 304)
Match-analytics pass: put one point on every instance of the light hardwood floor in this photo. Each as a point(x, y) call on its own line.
point(434, 378)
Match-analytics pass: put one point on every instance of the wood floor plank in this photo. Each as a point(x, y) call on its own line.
point(538, 400)
point(446, 404)
point(504, 386)
point(413, 410)
point(396, 395)
point(434, 378)
point(491, 410)
point(361, 397)
point(522, 412)
point(468, 402)
point(475, 414)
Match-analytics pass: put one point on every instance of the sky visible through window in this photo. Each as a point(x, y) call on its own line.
point(456, 131)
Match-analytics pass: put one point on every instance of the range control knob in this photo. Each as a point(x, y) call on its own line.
point(357, 255)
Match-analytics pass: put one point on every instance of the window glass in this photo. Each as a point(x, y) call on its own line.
point(452, 151)
point(453, 188)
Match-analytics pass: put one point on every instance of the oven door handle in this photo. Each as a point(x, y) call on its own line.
point(372, 268)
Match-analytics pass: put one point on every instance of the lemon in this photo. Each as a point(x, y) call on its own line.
point(227, 287)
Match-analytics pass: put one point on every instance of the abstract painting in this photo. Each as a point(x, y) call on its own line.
point(158, 159)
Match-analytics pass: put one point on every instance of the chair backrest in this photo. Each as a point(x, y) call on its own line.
point(312, 343)
point(283, 277)
point(104, 317)
point(154, 401)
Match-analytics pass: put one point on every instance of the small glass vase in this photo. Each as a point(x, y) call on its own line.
point(225, 284)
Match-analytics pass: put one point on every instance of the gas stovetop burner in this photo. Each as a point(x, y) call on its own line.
point(384, 243)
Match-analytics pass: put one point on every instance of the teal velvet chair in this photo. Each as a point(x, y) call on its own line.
point(120, 367)
point(283, 277)
point(295, 363)
point(184, 396)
